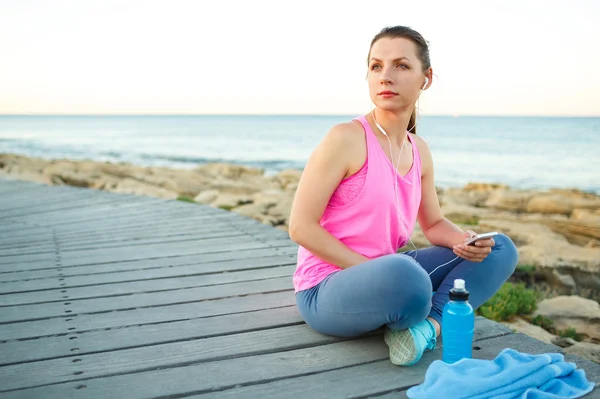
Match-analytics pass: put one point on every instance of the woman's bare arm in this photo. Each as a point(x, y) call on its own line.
point(326, 167)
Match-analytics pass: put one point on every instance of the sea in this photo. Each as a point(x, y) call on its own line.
point(522, 152)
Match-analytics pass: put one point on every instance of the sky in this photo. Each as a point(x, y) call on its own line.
point(509, 57)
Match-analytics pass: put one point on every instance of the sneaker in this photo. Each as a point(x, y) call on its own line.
point(407, 346)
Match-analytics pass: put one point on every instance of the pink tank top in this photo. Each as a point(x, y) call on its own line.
point(366, 217)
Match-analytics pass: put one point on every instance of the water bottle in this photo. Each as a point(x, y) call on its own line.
point(458, 325)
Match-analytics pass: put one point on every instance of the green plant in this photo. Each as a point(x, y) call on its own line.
point(525, 269)
point(185, 198)
point(511, 300)
point(570, 333)
point(544, 322)
point(471, 220)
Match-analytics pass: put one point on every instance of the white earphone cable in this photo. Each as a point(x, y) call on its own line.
point(396, 171)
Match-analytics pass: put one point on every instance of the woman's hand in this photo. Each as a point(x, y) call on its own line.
point(474, 253)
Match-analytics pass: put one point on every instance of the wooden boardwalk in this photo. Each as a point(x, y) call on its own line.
point(107, 295)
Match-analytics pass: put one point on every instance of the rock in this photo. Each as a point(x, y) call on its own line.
point(585, 350)
point(572, 311)
point(228, 171)
point(256, 211)
point(586, 216)
point(565, 265)
point(549, 204)
point(281, 211)
point(485, 187)
point(130, 186)
point(228, 201)
point(287, 177)
point(206, 197)
point(563, 342)
point(514, 201)
point(240, 187)
point(522, 326)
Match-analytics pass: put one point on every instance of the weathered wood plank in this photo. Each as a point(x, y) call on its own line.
point(161, 356)
point(282, 246)
point(264, 269)
point(133, 232)
point(12, 314)
point(153, 280)
point(224, 260)
point(136, 219)
point(110, 212)
point(142, 316)
point(227, 374)
point(136, 336)
point(378, 378)
point(197, 235)
point(181, 247)
point(84, 201)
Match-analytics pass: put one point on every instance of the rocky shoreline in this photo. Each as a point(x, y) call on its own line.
point(557, 232)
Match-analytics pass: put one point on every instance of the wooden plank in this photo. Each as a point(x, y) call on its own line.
point(49, 262)
point(21, 203)
point(159, 229)
point(150, 211)
point(48, 257)
point(212, 376)
point(198, 235)
point(100, 214)
point(87, 201)
point(93, 212)
point(187, 247)
point(161, 356)
point(265, 268)
point(379, 379)
point(142, 316)
point(116, 201)
point(200, 260)
point(88, 211)
point(47, 348)
point(12, 314)
point(153, 280)
point(137, 336)
point(107, 225)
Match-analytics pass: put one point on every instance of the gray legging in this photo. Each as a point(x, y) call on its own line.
point(396, 290)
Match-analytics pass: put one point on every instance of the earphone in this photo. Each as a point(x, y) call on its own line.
point(396, 178)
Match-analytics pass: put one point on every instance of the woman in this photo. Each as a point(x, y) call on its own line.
point(358, 199)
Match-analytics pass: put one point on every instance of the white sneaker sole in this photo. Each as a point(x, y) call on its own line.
point(403, 351)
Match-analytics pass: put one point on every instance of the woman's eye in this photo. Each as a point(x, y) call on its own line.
point(375, 66)
point(402, 66)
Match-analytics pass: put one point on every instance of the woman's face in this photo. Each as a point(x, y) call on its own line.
point(395, 74)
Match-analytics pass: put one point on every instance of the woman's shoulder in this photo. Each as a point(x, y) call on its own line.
point(424, 153)
point(347, 134)
point(421, 143)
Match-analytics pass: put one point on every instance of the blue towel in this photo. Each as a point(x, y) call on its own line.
point(510, 375)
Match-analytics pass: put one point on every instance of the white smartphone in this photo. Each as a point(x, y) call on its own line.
point(479, 237)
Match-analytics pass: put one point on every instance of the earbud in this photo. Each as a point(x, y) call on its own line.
point(425, 84)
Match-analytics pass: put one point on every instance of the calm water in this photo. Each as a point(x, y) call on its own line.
point(522, 152)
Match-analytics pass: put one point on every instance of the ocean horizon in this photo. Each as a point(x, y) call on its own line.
point(525, 152)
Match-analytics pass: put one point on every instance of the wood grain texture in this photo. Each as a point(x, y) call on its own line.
point(107, 295)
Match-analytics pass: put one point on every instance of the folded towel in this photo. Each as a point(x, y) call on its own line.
point(510, 375)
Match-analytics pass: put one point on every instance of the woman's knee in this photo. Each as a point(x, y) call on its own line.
point(403, 272)
point(411, 286)
point(506, 253)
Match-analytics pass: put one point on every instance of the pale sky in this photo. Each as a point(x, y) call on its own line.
point(302, 57)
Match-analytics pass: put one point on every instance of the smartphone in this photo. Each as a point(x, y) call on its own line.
point(483, 236)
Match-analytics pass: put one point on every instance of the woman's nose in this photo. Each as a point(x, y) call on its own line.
point(385, 79)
